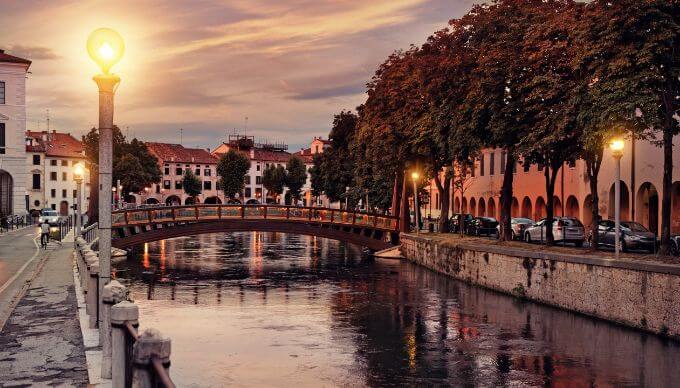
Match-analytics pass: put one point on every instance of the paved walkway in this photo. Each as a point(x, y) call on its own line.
point(41, 343)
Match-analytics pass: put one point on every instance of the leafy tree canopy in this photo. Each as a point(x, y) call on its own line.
point(232, 169)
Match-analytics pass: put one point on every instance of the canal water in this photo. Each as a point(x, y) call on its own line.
point(275, 310)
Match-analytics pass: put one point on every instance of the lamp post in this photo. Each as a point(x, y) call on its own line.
point(114, 201)
point(616, 146)
point(78, 173)
point(414, 177)
point(105, 46)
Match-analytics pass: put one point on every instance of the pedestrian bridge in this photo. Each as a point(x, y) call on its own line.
point(136, 226)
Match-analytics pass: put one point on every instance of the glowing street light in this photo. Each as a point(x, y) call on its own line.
point(106, 47)
point(78, 173)
point(616, 145)
point(415, 176)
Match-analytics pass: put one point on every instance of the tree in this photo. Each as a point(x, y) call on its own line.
point(191, 184)
point(129, 171)
point(232, 169)
point(150, 172)
point(296, 177)
point(316, 176)
point(274, 180)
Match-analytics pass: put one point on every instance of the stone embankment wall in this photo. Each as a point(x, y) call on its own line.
point(637, 294)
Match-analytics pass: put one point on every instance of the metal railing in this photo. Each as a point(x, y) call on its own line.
point(189, 213)
point(8, 223)
point(90, 233)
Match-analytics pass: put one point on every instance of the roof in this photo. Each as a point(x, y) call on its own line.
point(306, 155)
point(257, 154)
point(6, 58)
point(55, 144)
point(166, 152)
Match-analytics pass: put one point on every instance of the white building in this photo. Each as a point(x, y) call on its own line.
point(13, 71)
point(317, 146)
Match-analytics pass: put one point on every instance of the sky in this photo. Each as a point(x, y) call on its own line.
point(206, 65)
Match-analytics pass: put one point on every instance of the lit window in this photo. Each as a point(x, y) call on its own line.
point(2, 92)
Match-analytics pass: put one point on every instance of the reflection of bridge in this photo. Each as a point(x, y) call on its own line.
point(136, 226)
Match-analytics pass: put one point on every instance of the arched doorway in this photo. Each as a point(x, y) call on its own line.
point(456, 205)
point(212, 201)
point(572, 207)
point(173, 200)
point(647, 206)
point(473, 206)
point(248, 202)
point(557, 206)
point(588, 211)
point(526, 208)
point(464, 210)
point(675, 208)
point(151, 201)
point(514, 209)
point(540, 211)
point(63, 208)
point(481, 208)
point(130, 199)
point(625, 202)
point(6, 187)
point(190, 201)
point(491, 212)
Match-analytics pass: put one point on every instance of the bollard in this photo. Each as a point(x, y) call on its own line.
point(120, 313)
point(90, 258)
point(150, 344)
point(92, 295)
point(114, 292)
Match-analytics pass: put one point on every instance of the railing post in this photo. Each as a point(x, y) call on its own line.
point(150, 345)
point(354, 218)
point(120, 313)
point(149, 215)
point(114, 292)
point(243, 211)
point(173, 215)
point(288, 213)
point(264, 211)
point(332, 216)
point(196, 211)
point(92, 293)
point(219, 211)
point(126, 215)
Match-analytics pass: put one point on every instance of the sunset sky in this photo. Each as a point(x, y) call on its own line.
point(204, 65)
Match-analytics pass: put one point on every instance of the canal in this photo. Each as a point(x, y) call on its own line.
point(269, 309)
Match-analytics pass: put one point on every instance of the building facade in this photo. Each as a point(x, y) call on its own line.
point(13, 177)
point(641, 185)
point(317, 146)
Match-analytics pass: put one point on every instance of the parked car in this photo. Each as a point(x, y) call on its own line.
point(458, 220)
point(50, 216)
point(675, 245)
point(565, 229)
point(482, 225)
point(517, 227)
point(633, 236)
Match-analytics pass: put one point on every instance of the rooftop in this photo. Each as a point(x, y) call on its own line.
point(6, 58)
point(55, 144)
point(166, 152)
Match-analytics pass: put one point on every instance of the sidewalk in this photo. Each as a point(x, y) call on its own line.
point(41, 343)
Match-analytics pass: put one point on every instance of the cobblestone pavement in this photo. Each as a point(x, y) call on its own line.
point(41, 343)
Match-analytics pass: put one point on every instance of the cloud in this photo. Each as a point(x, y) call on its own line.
point(33, 53)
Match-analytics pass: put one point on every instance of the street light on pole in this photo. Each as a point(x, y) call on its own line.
point(78, 172)
point(415, 176)
point(105, 46)
point(616, 146)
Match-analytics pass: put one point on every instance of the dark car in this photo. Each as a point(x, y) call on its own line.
point(675, 245)
point(633, 236)
point(459, 220)
point(482, 225)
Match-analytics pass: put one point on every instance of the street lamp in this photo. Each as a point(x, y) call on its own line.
point(616, 146)
point(105, 46)
point(78, 172)
point(415, 176)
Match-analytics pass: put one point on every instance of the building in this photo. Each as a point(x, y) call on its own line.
point(174, 160)
point(641, 184)
point(318, 145)
point(50, 160)
point(13, 72)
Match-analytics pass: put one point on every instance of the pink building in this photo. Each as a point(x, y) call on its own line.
point(641, 184)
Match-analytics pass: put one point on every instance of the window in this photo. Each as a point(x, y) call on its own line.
point(198, 172)
point(503, 157)
point(75, 193)
point(63, 193)
point(540, 167)
point(247, 179)
point(54, 206)
point(572, 163)
point(53, 176)
point(53, 193)
point(207, 185)
point(178, 171)
point(2, 138)
point(258, 167)
point(526, 165)
point(2, 92)
point(36, 160)
point(158, 189)
point(53, 162)
point(481, 165)
point(64, 176)
point(166, 184)
point(514, 167)
point(36, 181)
point(248, 192)
point(492, 163)
point(207, 172)
point(258, 180)
point(64, 163)
point(167, 170)
point(178, 185)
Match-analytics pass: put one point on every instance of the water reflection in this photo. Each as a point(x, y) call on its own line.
point(267, 309)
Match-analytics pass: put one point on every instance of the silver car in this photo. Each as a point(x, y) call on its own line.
point(565, 229)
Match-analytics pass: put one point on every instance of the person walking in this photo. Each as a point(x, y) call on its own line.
point(44, 234)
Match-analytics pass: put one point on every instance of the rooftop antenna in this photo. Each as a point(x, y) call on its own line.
point(181, 130)
point(48, 120)
point(127, 132)
point(246, 129)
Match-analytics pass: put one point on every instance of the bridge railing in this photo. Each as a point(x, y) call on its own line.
point(126, 217)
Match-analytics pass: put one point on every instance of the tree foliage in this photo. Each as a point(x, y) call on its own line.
point(296, 177)
point(274, 180)
point(232, 169)
point(191, 184)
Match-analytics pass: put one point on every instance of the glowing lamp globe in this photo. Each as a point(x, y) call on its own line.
point(105, 46)
point(616, 145)
point(415, 176)
point(79, 170)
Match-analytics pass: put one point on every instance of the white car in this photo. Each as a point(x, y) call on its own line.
point(50, 216)
point(565, 229)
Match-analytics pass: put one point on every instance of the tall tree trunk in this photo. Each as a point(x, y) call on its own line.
point(593, 163)
point(506, 196)
point(444, 200)
point(396, 193)
point(550, 179)
point(404, 216)
point(666, 192)
point(93, 203)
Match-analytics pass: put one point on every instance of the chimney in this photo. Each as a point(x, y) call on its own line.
point(2, 51)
